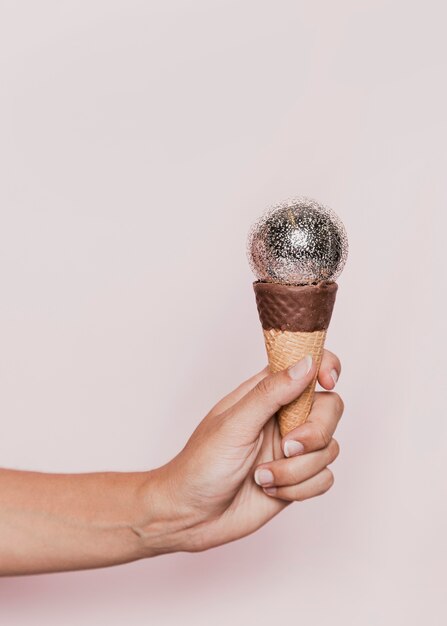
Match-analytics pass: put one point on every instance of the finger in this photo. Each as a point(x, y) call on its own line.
point(315, 486)
point(317, 431)
point(248, 416)
point(234, 396)
point(287, 472)
point(330, 370)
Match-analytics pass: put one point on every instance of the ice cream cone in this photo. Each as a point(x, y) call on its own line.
point(295, 320)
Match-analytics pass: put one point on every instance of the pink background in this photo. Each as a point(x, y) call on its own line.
point(139, 140)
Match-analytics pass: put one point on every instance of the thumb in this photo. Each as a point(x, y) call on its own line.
point(252, 412)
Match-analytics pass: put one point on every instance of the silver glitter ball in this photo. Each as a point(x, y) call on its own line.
point(298, 242)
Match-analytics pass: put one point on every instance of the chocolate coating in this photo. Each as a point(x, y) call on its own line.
point(297, 308)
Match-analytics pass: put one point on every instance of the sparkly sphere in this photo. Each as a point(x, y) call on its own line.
point(298, 242)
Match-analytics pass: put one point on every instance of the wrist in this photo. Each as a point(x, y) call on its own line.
point(164, 523)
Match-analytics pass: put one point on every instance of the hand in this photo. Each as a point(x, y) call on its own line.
point(236, 473)
point(230, 479)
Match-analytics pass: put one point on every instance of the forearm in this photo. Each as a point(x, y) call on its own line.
point(56, 522)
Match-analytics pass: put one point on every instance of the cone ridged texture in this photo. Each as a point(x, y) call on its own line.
point(284, 348)
point(295, 319)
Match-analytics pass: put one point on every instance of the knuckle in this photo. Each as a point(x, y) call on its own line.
point(324, 436)
point(339, 404)
point(326, 480)
point(337, 362)
point(333, 450)
point(266, 386)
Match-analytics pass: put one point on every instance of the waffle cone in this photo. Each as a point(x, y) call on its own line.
point(284, 348)
point(295, 319)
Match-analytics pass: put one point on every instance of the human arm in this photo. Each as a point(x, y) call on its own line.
point(204, 497)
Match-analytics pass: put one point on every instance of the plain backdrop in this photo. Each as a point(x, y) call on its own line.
point(138, 142)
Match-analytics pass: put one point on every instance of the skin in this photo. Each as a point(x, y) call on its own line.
point(206, 496)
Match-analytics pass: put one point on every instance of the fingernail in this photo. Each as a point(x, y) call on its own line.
point(292, 448)
point(263, 477)
point(301, 369)
point(270, 491)
point(334, 376)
